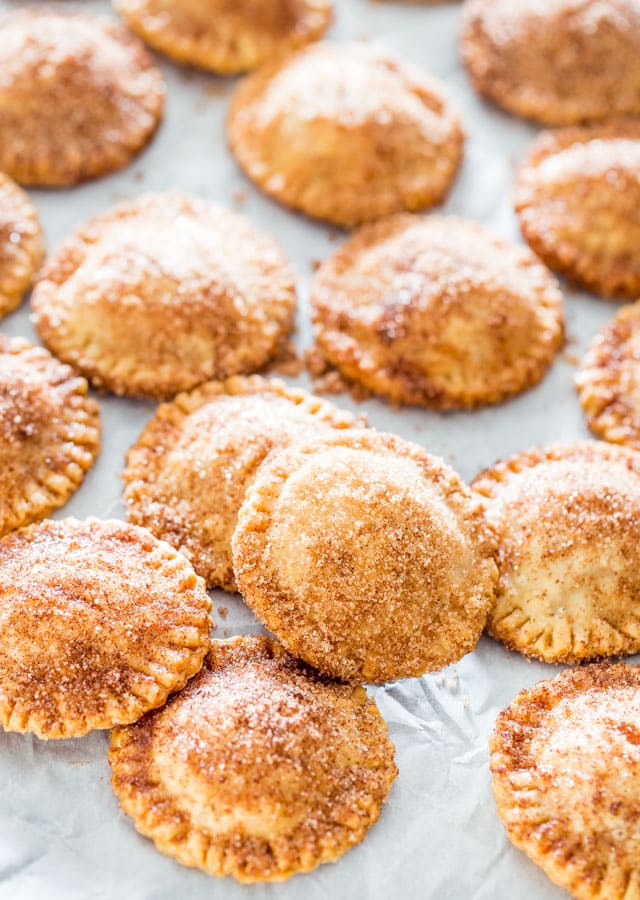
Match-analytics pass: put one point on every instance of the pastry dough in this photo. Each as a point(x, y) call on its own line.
point(436, 312)
point(259, 769)
point(568, 526)
point(346, 133)
point(578, 200)
point(79, 96)
point(187, 475)
point(560, 62)
point(226, 36)
point(21, 244)
point(609, 382)
point(99, 622)
point(365, 556)
point(49, 433)
point(565, 758)
point(163, 293)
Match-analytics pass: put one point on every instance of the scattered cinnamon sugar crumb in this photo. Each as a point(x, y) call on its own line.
point(315, 264)
point(239, 198)
point(227, 632)
point(287, 362)
point(327, 380)
point(223, 612)
point(571, 358)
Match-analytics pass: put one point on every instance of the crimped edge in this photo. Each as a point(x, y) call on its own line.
point(145, 459)
point(15, 714)
point(252, 561)
point(487, 485)
point(157, 817)
point(78, 438)
point(569, 862)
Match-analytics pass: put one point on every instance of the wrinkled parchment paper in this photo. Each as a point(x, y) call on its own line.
point(62, 834)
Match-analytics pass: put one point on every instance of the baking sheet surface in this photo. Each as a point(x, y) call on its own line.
point(439, 838)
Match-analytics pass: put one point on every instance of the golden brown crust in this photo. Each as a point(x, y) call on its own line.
point(226, 36)
point(578, 200)
point(345, 133)
point(80, 96)
point(187, 475)
point(99, 622)
point(561, 62)
point(365, 556)
point(436, 312)
point(568, 527)
point(303, 766)
point(565, 758)
point(609, 382)
point(21, 244)
point(49, 433)
point(160, 294)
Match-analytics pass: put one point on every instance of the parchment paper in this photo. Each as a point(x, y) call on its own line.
point(62, 834)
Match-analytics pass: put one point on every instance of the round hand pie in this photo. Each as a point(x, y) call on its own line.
point(568, 526)
point(609, 382)
point(49, 433)
point(187, 475)
point(99, 622)
point(365, 556)
point(578, 200)
point(560, 62)
point(436, 312)
point(345, 133)
point(163, 293)
point(565, 758)
point(21, 244)
point(260, 768)
point(79, 96)
point(226, 36)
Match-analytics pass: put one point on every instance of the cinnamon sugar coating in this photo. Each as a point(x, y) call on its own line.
point(436, 312)
point(187, 475)
point(365, 556)
point(49, 433)
point(160, 294)
point(568, 526)
point(565, 758)
point(226, 36)
point(79, 96)
point(561, 62)
point(259, 769)
point(99, 622)
point(609, 380)
point(345, 133)
point(578, 200)
point(21, 244)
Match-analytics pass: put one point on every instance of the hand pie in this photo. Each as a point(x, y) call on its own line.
point(565, 758)
point(365, 556)
point(187, 475)
point(436, 312)
point(568, 527)
point(609, 381)
point(260, 768)
point(21, 244)
point(99, 622)
point(345, 133)
point(226, 36)
point(79, 96)
point(578, 200)
point(560, 62)
point(49, 433)
point(160, 294)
